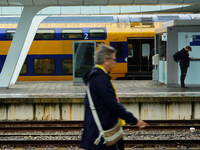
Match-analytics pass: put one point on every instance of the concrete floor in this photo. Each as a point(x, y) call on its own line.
point(125, 88)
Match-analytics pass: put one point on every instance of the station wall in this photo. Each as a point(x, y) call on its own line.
point(193, 73)
point(75, 111)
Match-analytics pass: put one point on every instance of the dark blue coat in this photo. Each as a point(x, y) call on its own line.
point(185, 60)
point(108, 109)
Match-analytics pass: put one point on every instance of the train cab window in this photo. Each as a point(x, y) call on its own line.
point(24, 68)
point(96, 33)
point(72, 34)
point(10, 34)
point(120, 49)
point(44, 66)
point(45, 34)
point(67, 66)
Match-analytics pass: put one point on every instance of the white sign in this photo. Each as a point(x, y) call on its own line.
point(164, 37)
point(191, 38)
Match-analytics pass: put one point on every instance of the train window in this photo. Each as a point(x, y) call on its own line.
point(45, 34)
point(130, 50)
point(10, 34)
point(96, 33)
point(67, 66)
point(162, 50)
point(120, 50)
point(44, 66)
point(24, 68)
point(145, 50)
point(72, 34)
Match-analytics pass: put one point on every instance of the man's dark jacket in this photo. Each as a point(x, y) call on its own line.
point(107, 107)
point(185, 60)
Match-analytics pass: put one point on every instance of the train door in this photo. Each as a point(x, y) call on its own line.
point(83, 59)
point(140, 52)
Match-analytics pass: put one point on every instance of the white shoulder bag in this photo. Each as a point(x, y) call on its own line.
point(110, 136)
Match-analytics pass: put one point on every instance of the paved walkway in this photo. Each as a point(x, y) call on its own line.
point(65, 89)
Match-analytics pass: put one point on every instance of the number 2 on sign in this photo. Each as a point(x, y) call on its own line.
point(86, 36)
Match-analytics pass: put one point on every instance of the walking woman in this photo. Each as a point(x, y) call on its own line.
point(104, 97)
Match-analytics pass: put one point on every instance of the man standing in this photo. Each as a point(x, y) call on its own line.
point(184, 64)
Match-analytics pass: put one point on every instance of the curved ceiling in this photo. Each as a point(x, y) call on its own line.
point(95, 2)
point(105, 10)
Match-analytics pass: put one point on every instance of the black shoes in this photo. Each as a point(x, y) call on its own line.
point(184, 87)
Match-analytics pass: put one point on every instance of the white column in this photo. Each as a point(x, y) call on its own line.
point(16, 48)
point(28, 41)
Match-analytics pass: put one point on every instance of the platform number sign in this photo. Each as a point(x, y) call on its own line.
point(86, 36)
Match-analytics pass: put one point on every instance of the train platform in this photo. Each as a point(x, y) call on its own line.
point(127, 90)
point(61, 100)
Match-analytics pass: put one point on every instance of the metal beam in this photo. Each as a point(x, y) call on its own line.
point(94, 2)
point(27, 44)
point(19, 45)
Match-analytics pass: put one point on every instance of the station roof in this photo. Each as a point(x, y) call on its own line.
point(76, 7)
point(174, 23)
point(105, 10)
point(181, 23)
point(95, 2)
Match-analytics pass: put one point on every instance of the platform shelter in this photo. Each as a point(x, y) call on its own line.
point(170, 38)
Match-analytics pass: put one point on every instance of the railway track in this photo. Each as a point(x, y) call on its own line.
point(72, 128)
point(78, 125)
point(69, 133)
point(128, 143)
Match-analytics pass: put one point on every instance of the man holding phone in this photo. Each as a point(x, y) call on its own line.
point(184, 64)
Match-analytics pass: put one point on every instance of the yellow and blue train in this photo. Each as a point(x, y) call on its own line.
point(50, 57)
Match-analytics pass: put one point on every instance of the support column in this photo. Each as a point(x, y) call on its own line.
point(27, 44)
point(18, 45)
point(172, 48)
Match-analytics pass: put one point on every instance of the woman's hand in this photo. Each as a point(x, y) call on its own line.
point(141, 124)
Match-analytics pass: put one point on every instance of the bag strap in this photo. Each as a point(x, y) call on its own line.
point(95, 116)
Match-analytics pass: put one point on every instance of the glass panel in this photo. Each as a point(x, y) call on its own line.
point(44, 66)
point(10, 34)
point(145, 50)
point(45, 34)
point(84, 58)
point(163, 49)
point(96, 33)
point(67, 66)
point(120, 49)
point(24, 68)
point(72, 34)
point(130, 50)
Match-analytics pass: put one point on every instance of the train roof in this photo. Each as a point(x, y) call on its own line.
point(101, 18)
